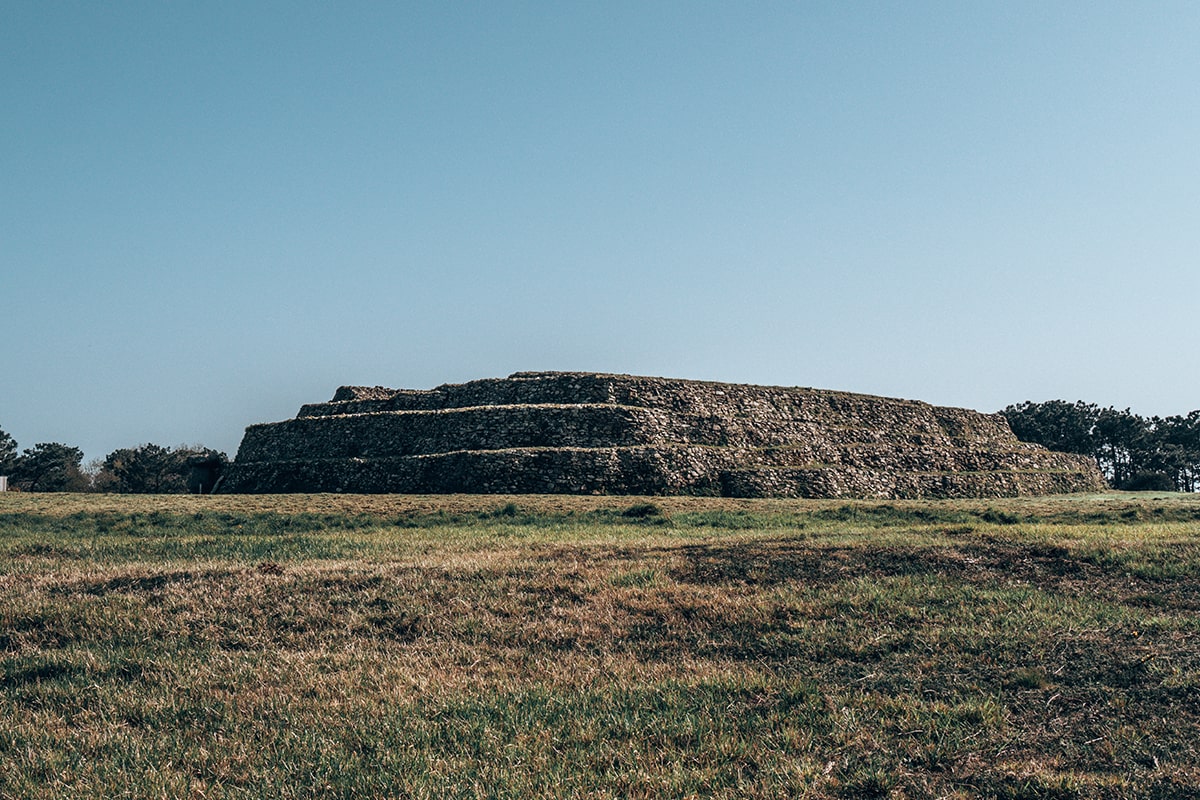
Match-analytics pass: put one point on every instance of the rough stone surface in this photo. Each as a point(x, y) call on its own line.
point(560, 432)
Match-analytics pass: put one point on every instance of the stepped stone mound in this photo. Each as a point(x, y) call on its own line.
point(587, 433)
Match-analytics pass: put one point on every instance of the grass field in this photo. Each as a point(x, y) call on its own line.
point(536, 647)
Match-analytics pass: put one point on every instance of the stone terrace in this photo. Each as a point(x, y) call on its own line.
point(580, 433)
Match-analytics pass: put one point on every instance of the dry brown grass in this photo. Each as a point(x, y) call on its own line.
point(452, 647)
point(385, 505)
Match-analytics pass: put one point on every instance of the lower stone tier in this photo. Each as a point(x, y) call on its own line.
point(550, 470)
point(652, 470)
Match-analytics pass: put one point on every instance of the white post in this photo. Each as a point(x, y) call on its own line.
point(3, 483)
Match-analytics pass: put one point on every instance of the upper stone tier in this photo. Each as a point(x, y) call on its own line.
point(595, 433)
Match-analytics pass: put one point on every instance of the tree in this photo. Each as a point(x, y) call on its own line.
point(1170, 448)
point(146, 469)
point(1186, 435)
point(1190, 439)
point(8, 454)
point(154, 469)
point(98, 479)
point(50, 467)
point(1123, 442)
point(1133, 452)
point(1055, 424)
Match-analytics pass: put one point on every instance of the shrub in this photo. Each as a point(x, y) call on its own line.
point(1149, 482)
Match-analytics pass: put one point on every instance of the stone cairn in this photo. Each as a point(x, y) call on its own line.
point(587, 433)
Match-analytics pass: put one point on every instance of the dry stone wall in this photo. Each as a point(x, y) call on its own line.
point(555, 432)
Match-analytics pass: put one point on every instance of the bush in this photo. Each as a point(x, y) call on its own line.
point(1149, 482)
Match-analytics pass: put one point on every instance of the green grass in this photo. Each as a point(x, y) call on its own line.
point(537, 647)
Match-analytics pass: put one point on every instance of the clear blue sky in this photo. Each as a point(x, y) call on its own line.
point(215, 212)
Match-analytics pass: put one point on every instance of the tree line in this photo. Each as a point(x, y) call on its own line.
point(145, 469)
point(1133, 452)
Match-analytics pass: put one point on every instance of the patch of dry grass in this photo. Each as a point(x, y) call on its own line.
point(551, 647)
point(1109, 504)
